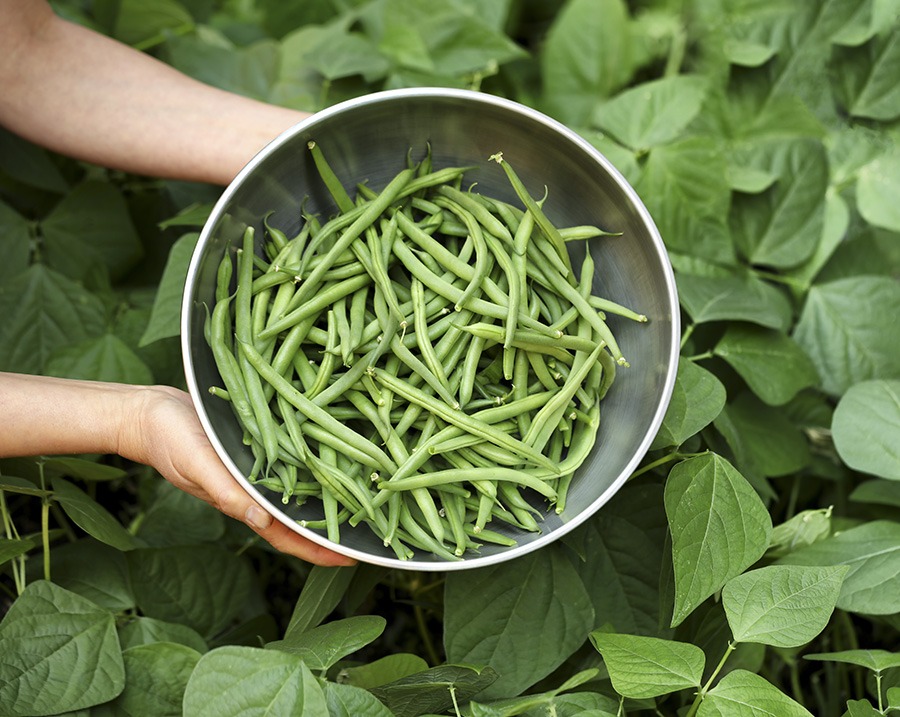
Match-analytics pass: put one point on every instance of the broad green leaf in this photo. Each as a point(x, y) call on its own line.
point(621, 157)
point(719, 527)
point(90, 516)
point(430, 691)
point(747, 53)
point(893, 697)
point(201, 586)
point(860, 708)
point(684, 185)
point(698, 397)
point(642, 667)
point(15, 242)
point(323, 646)
point(250, 70)
point(866, 77)
point(90, 227)
point(773, 365)
point(350, 701)
point(654, 112)
point(193, 215)
point(383, 670)
point(865, 428)
point(86, 469)
point(29, 164)
point(743, 694)
point(235, 681)
point(586, 55)
point(105, 358)
point(165, 318)
point(141, 20)
point(147, 630)
point(875, 660)
point(834, 230)
point(780, 605)
point(624, 591)
point(846, 329)
point(178, 518)
point(522, 605)
point(576, 704)
point(14, 547)
point(872, 551)
point(155, 679)
point(40, 311)
point(772, 442)
point(781, 226)
point(58, 653)
point(734, 297)
point(322, 591)
point(879, 492)
point(877, 187)
point(871, 18)
point(95, 571)
point(805, 528)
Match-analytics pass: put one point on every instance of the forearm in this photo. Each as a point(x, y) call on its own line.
point(82, 94)
point(50, 416)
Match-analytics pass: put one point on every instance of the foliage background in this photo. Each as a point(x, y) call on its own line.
point(763, 525)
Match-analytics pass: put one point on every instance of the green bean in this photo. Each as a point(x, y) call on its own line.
point(332, 183)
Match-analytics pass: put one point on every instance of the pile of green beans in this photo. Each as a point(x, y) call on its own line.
point(426, 361)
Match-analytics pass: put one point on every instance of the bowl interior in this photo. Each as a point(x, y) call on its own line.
point(368, 140)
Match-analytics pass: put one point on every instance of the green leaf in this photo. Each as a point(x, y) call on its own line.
point(865, 427)
point(624, 591)
point(147, 630)
point(805, 528)
point(155, 679)
point(866, 80)
point(383, 670)
point(834, 230)
point(201, 586)
point(685, 187)
point(90, 516)
point(871, 18)
point(642, 667)
point(165, 318)
point(780, 605)
point(872, 551)
point(654, 112)
point(58, 653)
point(178, 518)
point(141, 20)
point(86, 469)
point(733, 297)
point(105, 358)
point(846, 328)
point(90, 227)
point(747, 53)
point(322, 591)
point(40, 311)
point(698, 397)
point(773, 365)
point(861, 708)
point(324, 646)
point(769, 439)
point(349, 701)
point(95, 571)
point(877, 187)
point(586, 55)
point(879, 492)
point(193, 215)
point(522, 605)
point(15, 242)
point(782, 226)
point(29, 164)
point(719, 527)
point(743, 694)
point(14, 547)
point(875, 660)
point(235, 681)
point(430, 691)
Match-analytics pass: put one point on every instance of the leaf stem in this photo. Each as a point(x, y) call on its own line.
point(689, 329)
point(703, 690)
point(673, 456)
point(45, 521)
point(700, 357)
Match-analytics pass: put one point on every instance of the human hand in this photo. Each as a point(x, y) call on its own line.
point(160, 428)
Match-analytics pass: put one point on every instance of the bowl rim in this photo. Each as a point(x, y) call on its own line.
point(534, 115)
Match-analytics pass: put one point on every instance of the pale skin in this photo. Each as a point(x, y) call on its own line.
point(79, 93)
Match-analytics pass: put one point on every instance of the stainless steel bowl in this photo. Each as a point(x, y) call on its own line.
point(368, 139)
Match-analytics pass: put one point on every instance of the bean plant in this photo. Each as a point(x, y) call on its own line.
point(751, 564)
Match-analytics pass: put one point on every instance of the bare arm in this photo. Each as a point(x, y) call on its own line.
point(84, 95)
point(155, 425)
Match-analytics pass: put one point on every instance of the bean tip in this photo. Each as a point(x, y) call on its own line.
point(497, 157)
point(311, 144)
point(622, 362)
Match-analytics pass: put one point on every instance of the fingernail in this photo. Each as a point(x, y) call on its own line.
point(257, 518)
